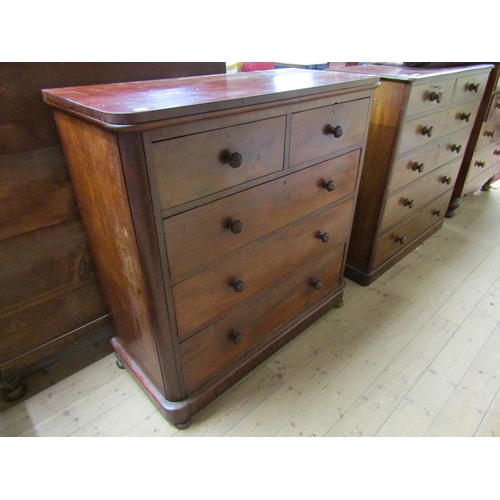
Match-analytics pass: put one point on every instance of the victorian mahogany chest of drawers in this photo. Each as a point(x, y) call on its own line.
point(419, 128)
point(219, 210)
point(481, 163)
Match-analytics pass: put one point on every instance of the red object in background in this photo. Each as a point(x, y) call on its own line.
point(256, 66)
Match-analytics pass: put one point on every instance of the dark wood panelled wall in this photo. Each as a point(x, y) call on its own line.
point(49, 296)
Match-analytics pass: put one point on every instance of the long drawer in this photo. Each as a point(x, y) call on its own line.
point(423, 130)
point(396, 239)
point(217, 290)
point(200, 236)
point(224, 342)
point(403, 203)
point(424, 160)
point(323, 131)
point(197, 165)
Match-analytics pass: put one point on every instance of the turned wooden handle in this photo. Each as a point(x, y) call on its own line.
point(418, 167)
point(436, 211)
point(235, 226)
point(489, 133)
point(236, 337)
point(408, 203)
point(465, 116)
point(436, 96)
point(316, 284)
point(427, 131)
point(238, 286)
point(480, 164)
point(446, 180)
point(329, 185)
point(234, 159)
point(324, 237)
point(400, 239)
point(456, 148)
point(337, 131)
point(473, 87)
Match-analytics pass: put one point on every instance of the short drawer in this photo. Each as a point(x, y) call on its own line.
point(483, 160)
point(404, 203)
point(245, 327)
point(430, 97)
point(424, 160)
point(422, 131)
point(490, 134)
point(205, 234)
point(494, 111)
point(320, 132)
point(470, 87)
point(214, 292)
point(198, 165)
point(396, 239)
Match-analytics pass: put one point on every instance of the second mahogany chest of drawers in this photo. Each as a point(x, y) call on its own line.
point(219, 211)
point(420, 125)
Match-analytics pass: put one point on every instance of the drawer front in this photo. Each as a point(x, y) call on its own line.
point(394, 240)
point(490, 134)
point(424, 160)
point(416, 195)
point(210, 294)
point(194, 166)
point(494, 111)
point(470, 87)
point(430, 97)
point(323, 131)
point(217, 346)
point(483, 161)
point(422, 131)
point(202, 235)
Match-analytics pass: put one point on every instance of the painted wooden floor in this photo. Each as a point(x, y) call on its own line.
point(417, 353)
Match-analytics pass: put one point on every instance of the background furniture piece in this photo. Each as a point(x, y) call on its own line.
point(481, 163)
point(420, 126)
point(49, 296)
point(228, 203)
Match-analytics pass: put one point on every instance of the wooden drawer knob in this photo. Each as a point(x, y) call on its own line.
point(316, 284)
point(236, 337)
point(400, 239)
point(496, 152)
point(234, 159)
point(436, 96)
point(235, 226)
point(418, 167)
point(480, 164)
point(465, 116)
point(488, 133)
point(324, 237)
point(436, 212)
point(456, 148)
point(337, 131)
point(473, 87)
point(497, 105)
point(329, 185)
point(427, 131)
point(408, 203)
point(446, 180)
point(238, 286)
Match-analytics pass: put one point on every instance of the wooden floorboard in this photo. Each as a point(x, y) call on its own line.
point(417, 353)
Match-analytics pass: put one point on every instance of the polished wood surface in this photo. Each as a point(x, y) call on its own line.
point(174, 268)
point(420, 125)
point(142, 102)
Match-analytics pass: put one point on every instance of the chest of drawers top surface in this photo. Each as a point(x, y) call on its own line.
point(141, 102)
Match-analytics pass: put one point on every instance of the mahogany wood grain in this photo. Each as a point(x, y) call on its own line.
point(95, 165)
point(262, 209)
point(194, 166)
point(209, 295)
point(210, 350)
point(313, 132)
point(386, 117)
